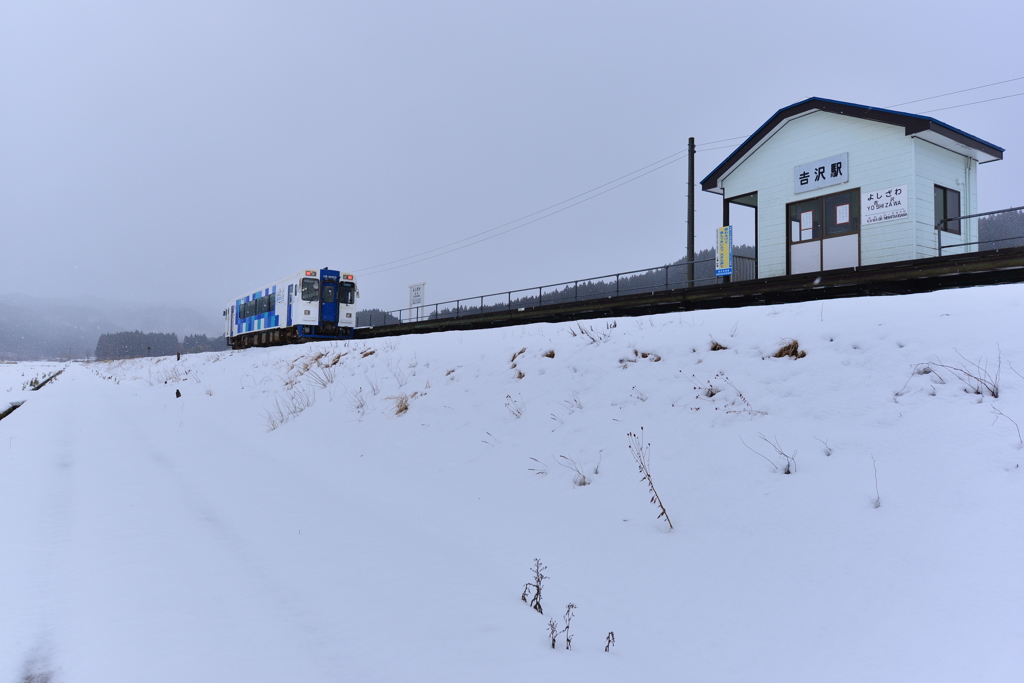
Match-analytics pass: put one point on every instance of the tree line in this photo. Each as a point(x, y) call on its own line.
point(118, 345)
point(1001, 231)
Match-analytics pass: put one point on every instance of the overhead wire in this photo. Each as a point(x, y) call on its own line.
point(957, 106)
point(539, 218)
point(522, 218)
point(583, 196)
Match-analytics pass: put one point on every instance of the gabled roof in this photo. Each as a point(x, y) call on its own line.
point(924, 127)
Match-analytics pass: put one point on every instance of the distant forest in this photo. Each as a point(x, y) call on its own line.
point(136, 344)
point(1001, 231)
point(671, 276)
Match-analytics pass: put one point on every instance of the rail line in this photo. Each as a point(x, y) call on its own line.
point(998, 266)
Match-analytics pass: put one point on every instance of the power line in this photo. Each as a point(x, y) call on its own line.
point(548, 215)
point(381, 267)
point(957, 106)
point(587, 199)
point(529, 215)
point(957, 92)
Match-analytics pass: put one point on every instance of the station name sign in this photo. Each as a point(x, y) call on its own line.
point(889, 204)
point(821, 173)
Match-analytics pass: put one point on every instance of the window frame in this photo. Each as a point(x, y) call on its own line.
point(953, 227)
point(304, 291)
point(819, 221)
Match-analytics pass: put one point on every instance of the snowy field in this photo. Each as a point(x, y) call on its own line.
point(371, 511)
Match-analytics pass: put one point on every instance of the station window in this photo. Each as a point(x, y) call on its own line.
point(947, 205)
point(310, 289)
point(828, 216)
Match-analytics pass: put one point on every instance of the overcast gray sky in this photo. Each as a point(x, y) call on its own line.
point(187, 152)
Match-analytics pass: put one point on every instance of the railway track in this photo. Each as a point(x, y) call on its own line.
point(1001, 266)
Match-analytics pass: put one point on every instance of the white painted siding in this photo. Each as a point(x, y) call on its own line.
point(938, 166)
point(880, 156)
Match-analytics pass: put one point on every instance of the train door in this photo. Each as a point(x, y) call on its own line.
point(329, 302)
point(824, 233)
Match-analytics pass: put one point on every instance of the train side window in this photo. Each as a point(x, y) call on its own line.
point(310, 289)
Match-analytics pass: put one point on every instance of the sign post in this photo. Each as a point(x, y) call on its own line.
point(723, 255)
point(417, 296)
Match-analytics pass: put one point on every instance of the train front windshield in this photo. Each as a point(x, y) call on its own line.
point(347, 293)
point(310, 289)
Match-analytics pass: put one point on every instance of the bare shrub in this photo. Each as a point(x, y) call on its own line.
point(609, 641)
point(593, 336)
point(513, 406)
point(878, 497)
point(322, 376)
point(788, 461)
point(401, 402)
point(641, 453)
point(357, 402)
point(570, 612)
point(288, 406)
point(1000, 414)
point(573, 404)
point(790, 349)
point(976, 375)
point(532, 589)
point(579, 478)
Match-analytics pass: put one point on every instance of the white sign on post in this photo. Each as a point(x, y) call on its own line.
point(821, 173)
point(889, 204)
point(416, 294)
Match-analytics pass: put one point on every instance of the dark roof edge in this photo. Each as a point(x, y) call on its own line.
point(912, 123)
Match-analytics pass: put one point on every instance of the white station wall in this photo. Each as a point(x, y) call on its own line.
point(880, 156)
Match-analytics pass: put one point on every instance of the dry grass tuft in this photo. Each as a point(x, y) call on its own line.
point(790, 350)
point(549, 354)
point(715, 346)
point(402, 402)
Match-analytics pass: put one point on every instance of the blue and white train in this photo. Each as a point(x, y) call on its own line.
point(308, 305)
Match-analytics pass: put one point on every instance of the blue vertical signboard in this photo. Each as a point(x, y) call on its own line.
point(723, 257)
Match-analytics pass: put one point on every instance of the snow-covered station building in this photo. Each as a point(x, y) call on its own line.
point(839, 185)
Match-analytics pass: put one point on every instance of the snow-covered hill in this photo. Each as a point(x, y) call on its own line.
point(371, 511)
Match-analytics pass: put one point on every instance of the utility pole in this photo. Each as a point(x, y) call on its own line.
point(689, 217)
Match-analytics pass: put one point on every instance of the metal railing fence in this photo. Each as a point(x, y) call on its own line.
point(651, 280)
point(982, 245)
